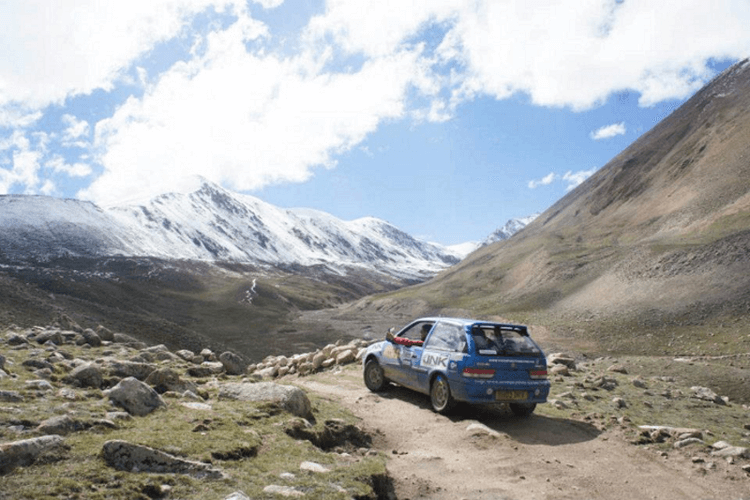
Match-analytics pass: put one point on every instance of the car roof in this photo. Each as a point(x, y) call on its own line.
point(471, 322)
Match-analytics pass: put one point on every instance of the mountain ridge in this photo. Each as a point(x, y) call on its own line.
point(213, 224)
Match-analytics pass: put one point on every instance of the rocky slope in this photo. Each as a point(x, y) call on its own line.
point(97, 414)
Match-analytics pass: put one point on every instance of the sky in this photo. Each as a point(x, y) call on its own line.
point(444, 117)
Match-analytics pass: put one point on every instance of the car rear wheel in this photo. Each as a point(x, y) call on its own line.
point(440, 395)
point(522, 409)
point(374, 378)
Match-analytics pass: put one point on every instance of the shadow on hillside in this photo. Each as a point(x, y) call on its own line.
point(532, 430)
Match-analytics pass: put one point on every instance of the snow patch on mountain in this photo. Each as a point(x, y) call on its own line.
point(213, 224)
point(509, 229)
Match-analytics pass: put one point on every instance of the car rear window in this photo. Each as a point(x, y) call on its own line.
point(493, 340)
point(447, 337)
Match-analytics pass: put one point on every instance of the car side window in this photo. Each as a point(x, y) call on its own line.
point(418, 331)
point(447, 337)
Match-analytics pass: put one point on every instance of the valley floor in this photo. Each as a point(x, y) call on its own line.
point(489, 454)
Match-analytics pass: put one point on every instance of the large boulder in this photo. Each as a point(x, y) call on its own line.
point(27, 451)
point(129, 457)
point(291, 399)
point(90, 337)
point(135, 397)
point(86, 375)
point(233, 363)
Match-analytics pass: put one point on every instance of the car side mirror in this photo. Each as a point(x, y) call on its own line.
point(389, 335)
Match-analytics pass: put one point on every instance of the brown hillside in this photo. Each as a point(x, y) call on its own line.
point(657, 238)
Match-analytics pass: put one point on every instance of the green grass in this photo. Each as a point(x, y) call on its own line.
point(245, 440)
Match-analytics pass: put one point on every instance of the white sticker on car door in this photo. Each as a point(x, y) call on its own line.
point(434, 360)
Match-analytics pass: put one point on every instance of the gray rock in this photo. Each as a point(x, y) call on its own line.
point(53, 336)
point(638, 382)
point(706, 394)
point(317, 360)
point(346, 357)
point(15, 339)
point(687, 442)
point(36, 364)
point(122, 338)
point(284, 491)
point(619, 403)
point(87, 375)
point(41, 385)
point(186, 355)
point(135, 397)
point(559, 370)
point(27, 451)
point(60, 425)
point(237, 495)
point(314, 467)
point(166, 379)
point(292, 399)
point(2, 362)
point(129, 457)
point(10, 397)
point(559, 358)
point(208, 355)
point(303, 369)
point(125, 369)
point(233, 363)
point(105, 333)
point(90, 337)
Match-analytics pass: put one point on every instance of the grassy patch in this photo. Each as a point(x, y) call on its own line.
point(245, 440)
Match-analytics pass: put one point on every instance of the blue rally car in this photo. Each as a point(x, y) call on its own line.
point(453, 359)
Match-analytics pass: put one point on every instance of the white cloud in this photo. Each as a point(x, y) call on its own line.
point(53, 50)
point(573, 179)
point(247, 118)
point(25, 164)
point(75, 130)
point(58, 164)
point(243, 119)
point(562, 53)
point(544, 181)
point(608, 131)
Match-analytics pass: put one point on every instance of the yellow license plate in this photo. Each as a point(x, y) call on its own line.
point(511, 395)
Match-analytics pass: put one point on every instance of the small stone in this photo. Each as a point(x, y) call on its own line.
point(687, 442)
point(619, 403)
point(313, 467)
point(285, 491)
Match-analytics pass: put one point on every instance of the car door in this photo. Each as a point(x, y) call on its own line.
point(443, 349)
point(401, 355)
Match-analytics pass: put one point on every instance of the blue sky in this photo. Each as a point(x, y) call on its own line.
point(443, 117)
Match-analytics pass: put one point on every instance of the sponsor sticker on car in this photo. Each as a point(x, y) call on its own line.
point(434, 360)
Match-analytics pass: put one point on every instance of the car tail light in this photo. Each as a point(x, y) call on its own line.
point(479, 372)
point(538, 374)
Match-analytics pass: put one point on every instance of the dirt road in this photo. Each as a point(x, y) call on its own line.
point(489, 454)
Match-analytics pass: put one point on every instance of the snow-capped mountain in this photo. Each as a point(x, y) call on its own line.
point(509, 229)
point(213, 224)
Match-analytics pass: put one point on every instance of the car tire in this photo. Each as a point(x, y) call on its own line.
point(374, 377)
point(440, 395)
point(522, 409)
